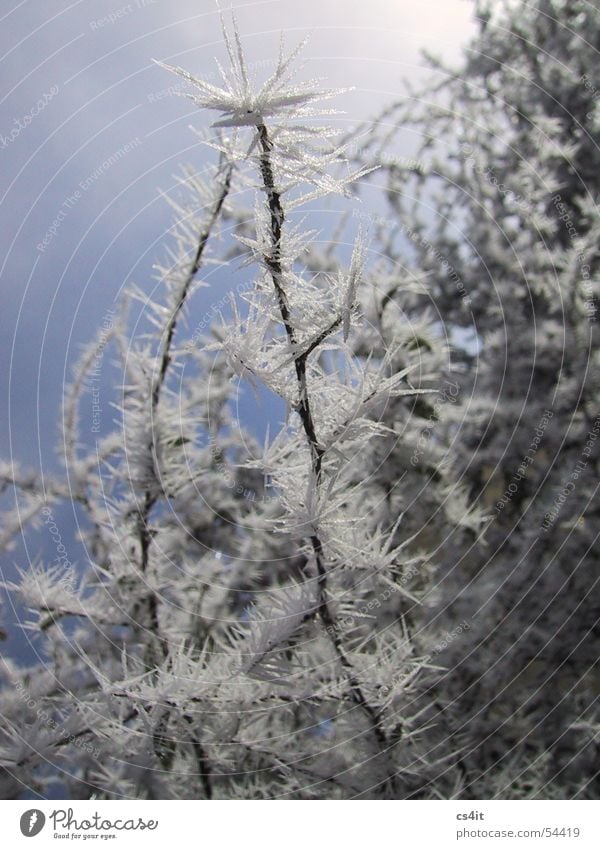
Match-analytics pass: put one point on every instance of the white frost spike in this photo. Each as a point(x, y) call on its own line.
point(356, 267)
point(273, 626)
point(239, 605)
point(241, 107)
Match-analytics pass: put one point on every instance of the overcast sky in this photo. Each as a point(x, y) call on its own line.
point(79, 85)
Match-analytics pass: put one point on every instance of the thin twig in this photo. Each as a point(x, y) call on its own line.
point(150, 499)
point(274, 263)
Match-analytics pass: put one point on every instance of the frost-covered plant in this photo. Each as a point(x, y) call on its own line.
point(498, 211)
point(241, 628)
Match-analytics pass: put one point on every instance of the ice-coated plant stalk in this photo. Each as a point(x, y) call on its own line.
point(216, 639)
point(223, 183)
point(241, 108)
point(273, 261)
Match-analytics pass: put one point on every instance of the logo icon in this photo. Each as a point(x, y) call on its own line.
point(32, 822)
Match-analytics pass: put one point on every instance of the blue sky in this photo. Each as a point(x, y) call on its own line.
point(79, 87)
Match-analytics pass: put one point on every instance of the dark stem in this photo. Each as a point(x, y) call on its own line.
point(271, 757)
point(274, 263)
point(275, 267)
point(331, 629)
point(194, 268)
point(202, 761)
point(150, 499)
point(144, 531)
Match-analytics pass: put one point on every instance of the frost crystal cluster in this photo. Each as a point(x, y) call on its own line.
point(246, 624)
point(393, 591)
point(508, 158)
